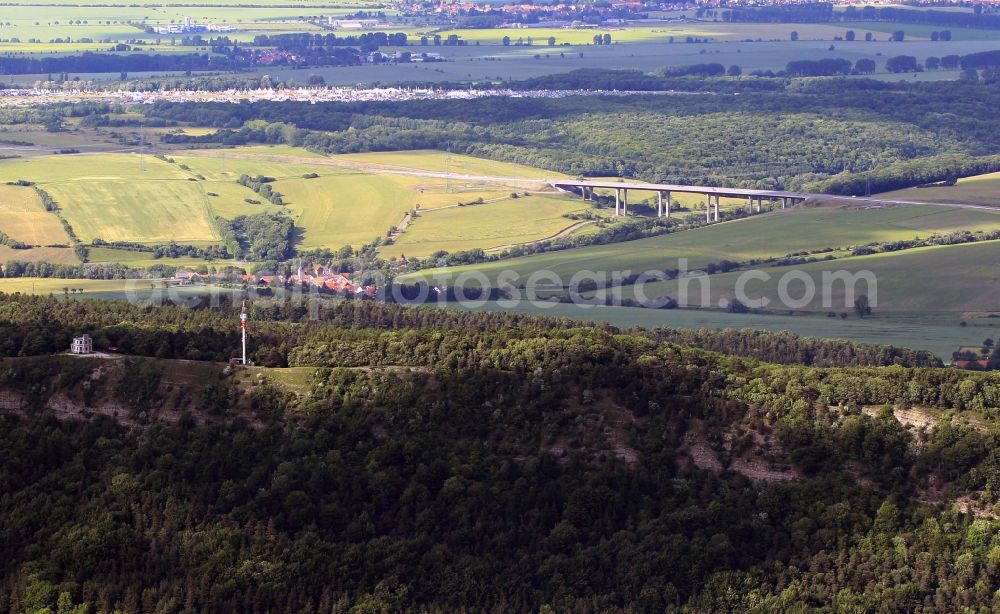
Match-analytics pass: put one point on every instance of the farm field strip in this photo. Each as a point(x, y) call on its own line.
point(53, 255)
point(357, 197)
point(496, 224)
point(716, 32)
point(24, 218)
point(759, 237)
point(143, 199)
point(492, 62)
point(960, 275)
point(937, 334)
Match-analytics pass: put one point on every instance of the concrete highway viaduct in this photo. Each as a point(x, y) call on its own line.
point(663, 192)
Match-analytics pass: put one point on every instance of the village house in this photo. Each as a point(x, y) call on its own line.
point(82, 345)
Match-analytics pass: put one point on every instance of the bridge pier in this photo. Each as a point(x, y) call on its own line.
point(716, 207)
point(624, 202)
point(783, 202)
point(759, 206)
point(618, 199)
point(708, 208)
point(664, 202)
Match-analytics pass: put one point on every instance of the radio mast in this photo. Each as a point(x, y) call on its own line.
point(243, 327)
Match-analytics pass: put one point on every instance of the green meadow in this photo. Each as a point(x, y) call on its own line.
point(771, 235)
point(443, 162)
point(952, 278)
point(351, 200)
point(977, 190)
point(940, 334)
point(31, 285)
point(492, 225)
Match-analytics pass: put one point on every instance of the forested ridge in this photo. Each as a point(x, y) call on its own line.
point(449, 461)
point(813, 135)
point(35, 325)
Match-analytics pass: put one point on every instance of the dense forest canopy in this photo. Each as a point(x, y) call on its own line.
point(491, 462)
point(35, 325)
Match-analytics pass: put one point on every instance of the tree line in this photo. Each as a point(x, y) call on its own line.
point(38, 325)
point(823, 12)
point(368, 41)
point(261, 236)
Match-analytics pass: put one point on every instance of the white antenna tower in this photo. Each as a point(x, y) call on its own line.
point(243, 327)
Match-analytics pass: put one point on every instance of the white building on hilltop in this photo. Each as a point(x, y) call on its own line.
point(82, 345)
point(352, 24)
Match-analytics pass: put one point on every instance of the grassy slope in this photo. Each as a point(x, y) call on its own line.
point(55, 286)
point(939, 335)
point(54, 255)
point(117, 197)
point(505, 222)
point(957, 278)
point(114, 197)
point(23, 217)
point(979, 190)
point(119, 210)
point(773, 235)
point(347, 205)
point(231, 163)
point(344, 209)
point(439, 161)
point(228, 199)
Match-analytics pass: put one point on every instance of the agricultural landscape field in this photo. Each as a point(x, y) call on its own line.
point(977, 190)
point(333, 200)
point(345, 203)
point(520, 307)
point(832, 229)
point(486, 54)
point(148, 188)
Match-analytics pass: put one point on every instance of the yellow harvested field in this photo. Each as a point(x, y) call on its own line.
point(22, 217)
point(145, 212)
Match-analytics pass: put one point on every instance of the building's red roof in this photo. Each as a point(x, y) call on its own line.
point(964, 364)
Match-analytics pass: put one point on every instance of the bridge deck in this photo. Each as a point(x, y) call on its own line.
point(695, 189)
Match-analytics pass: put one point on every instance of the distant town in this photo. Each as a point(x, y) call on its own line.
point(36, 96)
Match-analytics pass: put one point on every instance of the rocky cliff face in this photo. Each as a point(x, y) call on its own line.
point(134, 392)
